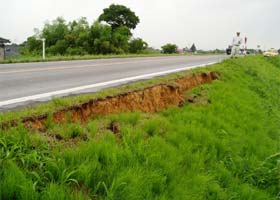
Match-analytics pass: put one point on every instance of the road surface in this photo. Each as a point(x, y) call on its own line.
point(25, 83)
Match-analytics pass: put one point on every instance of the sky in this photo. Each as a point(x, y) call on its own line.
point(210, 24)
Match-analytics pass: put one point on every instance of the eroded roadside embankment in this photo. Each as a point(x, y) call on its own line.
point(151, 99)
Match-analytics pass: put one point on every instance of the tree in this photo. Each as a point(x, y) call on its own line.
point(120, 38)
point(118, 15)
point(58, 49)
point(32, 46)
point(78, 34)
point(169, 48)
point(100, 38)
point(193, 48)
point(55, 31)
point(77, 37)
point(137, 45)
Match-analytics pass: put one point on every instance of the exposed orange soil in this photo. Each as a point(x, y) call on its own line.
point(151, 99)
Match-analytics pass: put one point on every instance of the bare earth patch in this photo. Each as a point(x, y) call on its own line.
point(151, 99)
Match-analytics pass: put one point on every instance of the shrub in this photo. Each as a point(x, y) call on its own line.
point(169, 48)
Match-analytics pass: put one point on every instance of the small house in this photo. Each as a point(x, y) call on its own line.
point(11, 51)
point(2, 47)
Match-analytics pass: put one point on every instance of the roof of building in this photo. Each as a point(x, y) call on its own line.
point(3, 40)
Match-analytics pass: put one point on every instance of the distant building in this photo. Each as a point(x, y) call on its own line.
point(11, 50)
point(180, 51)
point(186, 50)
point(2, 47)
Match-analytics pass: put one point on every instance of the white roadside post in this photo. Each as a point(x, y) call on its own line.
point(44, 56)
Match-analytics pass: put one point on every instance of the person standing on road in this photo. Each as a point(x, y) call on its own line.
point(236, 43)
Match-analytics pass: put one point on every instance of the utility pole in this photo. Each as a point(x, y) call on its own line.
point(44, 54)
point(245, 46)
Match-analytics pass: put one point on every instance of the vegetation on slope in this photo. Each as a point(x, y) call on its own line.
point(224, 148)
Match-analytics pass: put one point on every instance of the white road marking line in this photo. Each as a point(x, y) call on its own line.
point(75, 89)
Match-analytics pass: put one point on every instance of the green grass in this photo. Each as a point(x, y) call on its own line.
point(227, 149)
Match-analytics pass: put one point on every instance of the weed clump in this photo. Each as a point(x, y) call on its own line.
point(74, 130)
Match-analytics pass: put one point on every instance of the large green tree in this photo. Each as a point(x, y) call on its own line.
point(120, 38)
point(55, 31)
point(119, 15)
point(101, 38)
point(78, 37)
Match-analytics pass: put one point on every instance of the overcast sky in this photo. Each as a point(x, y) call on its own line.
point(207, 23)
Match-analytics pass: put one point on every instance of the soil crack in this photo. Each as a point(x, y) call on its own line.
point(151, 99)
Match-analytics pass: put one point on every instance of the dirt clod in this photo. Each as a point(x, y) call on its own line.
point(115, 127)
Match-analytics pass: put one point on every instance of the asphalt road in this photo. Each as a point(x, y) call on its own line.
point(24, 83)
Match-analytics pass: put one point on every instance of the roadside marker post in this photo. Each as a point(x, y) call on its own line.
point(44, 56)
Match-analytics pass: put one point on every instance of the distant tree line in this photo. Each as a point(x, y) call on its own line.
point(109, 34)
point(78, 37)
point(173, 48)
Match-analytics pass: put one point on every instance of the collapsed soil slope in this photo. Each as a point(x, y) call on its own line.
point(151, 99)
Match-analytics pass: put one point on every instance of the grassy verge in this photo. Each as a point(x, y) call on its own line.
point(227, 149)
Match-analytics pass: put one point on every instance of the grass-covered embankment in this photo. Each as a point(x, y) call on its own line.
point(224, 148)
